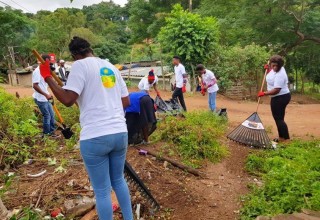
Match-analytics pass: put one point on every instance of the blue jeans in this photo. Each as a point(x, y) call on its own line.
point(48, 116)
point(104, 159)
point(212, 101)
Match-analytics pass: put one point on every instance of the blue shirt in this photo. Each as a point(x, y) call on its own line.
point(135, 101)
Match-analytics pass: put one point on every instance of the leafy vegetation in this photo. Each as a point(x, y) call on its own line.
point(191, 36)
point(20, 134)
point(291, 180)
point(220, 37)
point(188, 139)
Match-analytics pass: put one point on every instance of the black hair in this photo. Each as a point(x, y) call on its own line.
point(79, 46)
point(200, 67)
point(177, 57)
point(45, 56)
point(278, 60)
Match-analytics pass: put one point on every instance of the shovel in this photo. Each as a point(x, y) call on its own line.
point(66, 131)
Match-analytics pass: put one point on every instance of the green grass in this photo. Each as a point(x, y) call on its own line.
point(291, 177)
point(195, 138)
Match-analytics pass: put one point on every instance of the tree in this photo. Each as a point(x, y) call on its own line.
point(190, 36)
point(54, 31)
point(236, 64)
point(147, 17)
point(16, 29)
point(87, 34)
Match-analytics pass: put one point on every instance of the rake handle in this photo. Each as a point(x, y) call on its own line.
point(263, 81)
point(53, 74)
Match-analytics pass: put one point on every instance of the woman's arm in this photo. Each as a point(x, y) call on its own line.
point(125, 101)
point(66, 97)
point(273, 91)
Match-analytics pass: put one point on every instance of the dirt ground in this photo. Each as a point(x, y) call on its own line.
point(183, 196)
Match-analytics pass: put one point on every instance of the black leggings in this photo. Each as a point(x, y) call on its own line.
point(278, 108)
point(179, 94)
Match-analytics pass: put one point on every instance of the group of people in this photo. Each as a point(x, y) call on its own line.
point(102, 96)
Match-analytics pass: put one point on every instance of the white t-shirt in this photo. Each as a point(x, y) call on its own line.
point(100, 88)
point(208, 79)
point(278, 80)
point(37, 78)
point(179, 71)
point(144, 83)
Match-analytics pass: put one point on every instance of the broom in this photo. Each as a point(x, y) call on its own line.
point(251, 132)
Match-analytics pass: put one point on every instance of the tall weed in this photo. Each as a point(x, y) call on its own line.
point(196, 137)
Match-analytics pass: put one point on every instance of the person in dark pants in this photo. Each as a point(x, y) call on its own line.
point(277, 81)
point(181, 81)
point(140, 117)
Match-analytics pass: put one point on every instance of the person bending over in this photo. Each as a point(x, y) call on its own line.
point(277, 84)
point(148, 81)
point(101, 93)
point(140, 116)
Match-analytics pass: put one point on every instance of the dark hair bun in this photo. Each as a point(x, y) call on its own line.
point(80, 46)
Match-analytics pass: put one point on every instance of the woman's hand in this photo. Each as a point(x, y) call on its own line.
point(260, 94)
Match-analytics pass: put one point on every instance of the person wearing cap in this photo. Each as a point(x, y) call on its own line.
point(150, 80)
point(62, 71)
point(209, 82)
point(41, 97)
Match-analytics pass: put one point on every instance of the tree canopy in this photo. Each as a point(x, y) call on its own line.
point(206, 32)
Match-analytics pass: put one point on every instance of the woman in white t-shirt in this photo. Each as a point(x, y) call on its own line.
point(98, 88)
point(277, 82)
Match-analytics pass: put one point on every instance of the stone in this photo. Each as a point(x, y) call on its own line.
point(263, 218)
point(305, 216)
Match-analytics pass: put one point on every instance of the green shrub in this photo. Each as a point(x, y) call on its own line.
point(291, 177)
point(18, 128)
point(195, 137)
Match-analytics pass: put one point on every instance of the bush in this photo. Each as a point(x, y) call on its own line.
point(239, 65)
point(195, 137)
point(291, 180)
point(18, 127)
point(20, 135)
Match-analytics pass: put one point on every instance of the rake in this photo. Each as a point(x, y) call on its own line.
point(134, 180)
point(251, 132)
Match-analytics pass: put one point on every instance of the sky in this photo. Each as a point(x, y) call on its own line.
point(36, 5)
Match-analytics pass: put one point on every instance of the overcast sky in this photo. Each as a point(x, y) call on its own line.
point(36, 5)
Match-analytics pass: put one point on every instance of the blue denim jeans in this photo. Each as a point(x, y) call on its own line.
point(212, 101)
point(48, 116)
point(104, 159)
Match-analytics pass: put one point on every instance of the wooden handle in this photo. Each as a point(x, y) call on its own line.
point(263, 81)
point(57, 113)
point(53, 74)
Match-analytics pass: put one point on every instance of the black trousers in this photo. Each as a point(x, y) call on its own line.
point(179, 94)
point(278, 109)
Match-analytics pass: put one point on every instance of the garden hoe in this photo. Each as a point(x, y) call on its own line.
point(66, 131)
point(251, 132)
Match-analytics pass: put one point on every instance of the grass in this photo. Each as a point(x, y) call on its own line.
point(195, 138)
point(291, 177)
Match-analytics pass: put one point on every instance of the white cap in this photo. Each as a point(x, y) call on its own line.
point(61, 61)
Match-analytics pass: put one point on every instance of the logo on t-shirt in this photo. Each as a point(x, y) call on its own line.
point(108, 77)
